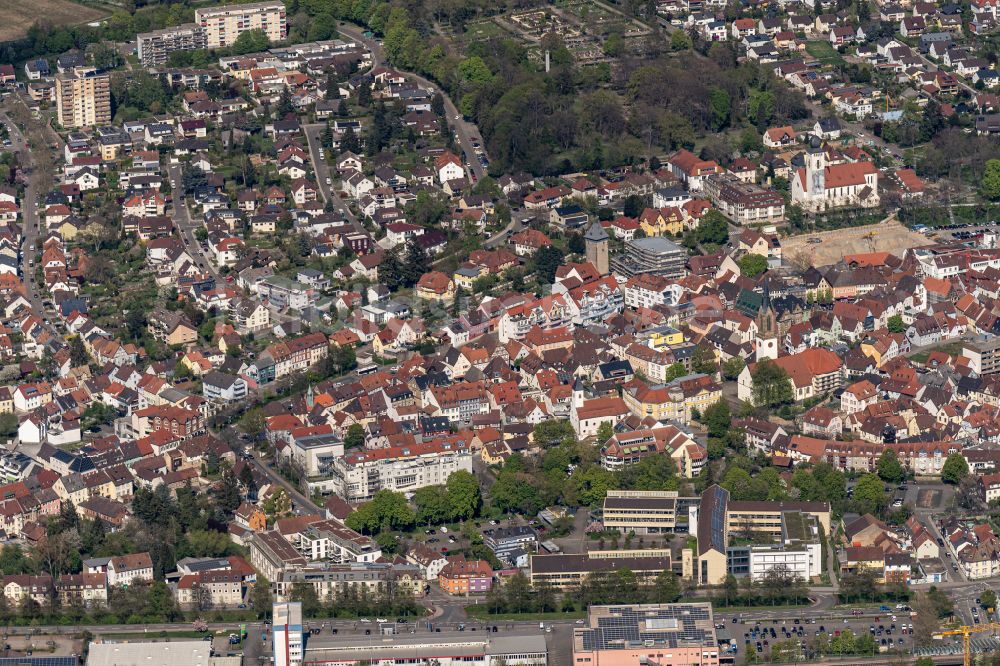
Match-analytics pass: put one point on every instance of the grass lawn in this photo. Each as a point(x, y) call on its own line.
point(481, 612)
point(824, 52)
point(950, 348)
point(154, 635)
point(484, 30)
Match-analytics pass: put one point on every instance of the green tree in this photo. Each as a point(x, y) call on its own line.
point(988, 598)
point(954, 469)
point(717, 419)
point(253, 423)
point(546, 261)
point(864, 12)
point(305, 593)
point(8, 425)
point(740, 485)
point(752, 265)
point(553, 431)
point(614, 44)
point(634, 205)
point(350, 142)
point(869, 495)
point(261, 598)
point(989, 186)
point(650, 473)
point(771, 385)
point(355, 436)
point(941, 602)
point(895, 324)
point(78, 354)
point(760, 107)
point(605, 431)
point(674, 371)
point(719, 108)
point(703, 360)
point(464, 496)
point(713, 228)
point(432, 505)
point(516, 491)
point(889, 467)
point(591, 484)
point(251, 41)
point(390, 271)
point(388, 510)
point(732, 368)
point(417, 263)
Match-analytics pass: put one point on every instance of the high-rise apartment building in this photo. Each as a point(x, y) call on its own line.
point(154, 48)
point(288, 639)
point(222, 25)
point(83, 97)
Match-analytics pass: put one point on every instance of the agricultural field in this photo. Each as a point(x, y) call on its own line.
point(19, 15)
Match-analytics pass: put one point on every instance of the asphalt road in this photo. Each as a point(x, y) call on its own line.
point(29, 210)
point(323, 171)
point(465, 132)
point(185, 225)
point(302, 503)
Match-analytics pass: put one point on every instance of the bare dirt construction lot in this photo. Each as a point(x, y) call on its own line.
point(18, 15)
point(928, 499)
point(889, 236)
point(40, 645)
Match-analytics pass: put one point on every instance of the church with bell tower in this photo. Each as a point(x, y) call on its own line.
point(767, 329)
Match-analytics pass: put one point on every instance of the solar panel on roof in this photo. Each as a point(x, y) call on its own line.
point(39, 661)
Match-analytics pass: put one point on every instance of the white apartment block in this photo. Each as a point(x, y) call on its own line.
point(358, 475)
point(222, 25)
point(803, 561)
point(332, 541)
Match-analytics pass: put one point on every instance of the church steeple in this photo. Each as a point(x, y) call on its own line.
point(767, 327)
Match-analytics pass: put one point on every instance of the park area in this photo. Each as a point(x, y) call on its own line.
point(19, 15)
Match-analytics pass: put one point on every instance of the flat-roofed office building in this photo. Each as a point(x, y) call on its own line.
point(675, 634)
point(565, 571)
point(639, 511)
point(442, 649)
point(288, 634)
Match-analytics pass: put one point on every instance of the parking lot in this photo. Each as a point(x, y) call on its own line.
point(758, 639)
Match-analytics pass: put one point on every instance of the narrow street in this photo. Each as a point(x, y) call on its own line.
point(303, 503)
point(323, 171)
point(37, 183)
point(185, 225)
